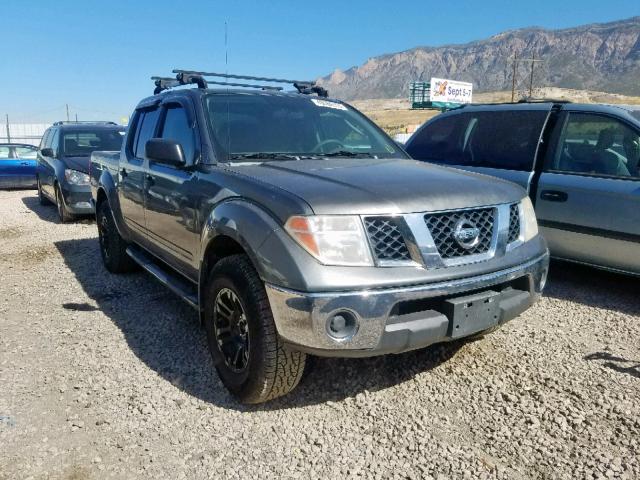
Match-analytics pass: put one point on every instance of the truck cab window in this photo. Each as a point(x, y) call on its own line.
point(598, 145)
point(145, 131)
point(176, 127)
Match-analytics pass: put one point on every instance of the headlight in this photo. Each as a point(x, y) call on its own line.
point(530, 224)
point(332, 239)
point(76, 178)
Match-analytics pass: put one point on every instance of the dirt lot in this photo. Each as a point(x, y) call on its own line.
point(395, 115)
point(106, 376)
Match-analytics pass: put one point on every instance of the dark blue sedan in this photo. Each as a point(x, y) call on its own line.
point(17, 165)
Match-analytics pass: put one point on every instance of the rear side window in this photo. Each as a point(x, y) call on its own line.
point(494, 139)
point(28, 153)
point(145, 131)
point(176, 127)
point(440, 141)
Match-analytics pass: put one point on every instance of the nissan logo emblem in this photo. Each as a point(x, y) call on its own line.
point(466, 234)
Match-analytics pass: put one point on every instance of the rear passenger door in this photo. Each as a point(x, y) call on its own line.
point(588, 198)
point(132, 174)
point(501, 142)
point(172, 192)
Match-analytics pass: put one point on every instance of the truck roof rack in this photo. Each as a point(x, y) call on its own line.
point(83, 122)
point(186, 77)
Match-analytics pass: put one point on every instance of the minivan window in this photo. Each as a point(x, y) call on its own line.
point(176, 127)
point(502, 139)
point(146, 131)
point(599, 145)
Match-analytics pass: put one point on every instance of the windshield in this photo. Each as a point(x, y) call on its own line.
point(635, 113)
point(292, 127)
point(80, 143)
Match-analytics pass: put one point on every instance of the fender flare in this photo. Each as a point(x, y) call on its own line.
point(107, 186)
point(250, 226)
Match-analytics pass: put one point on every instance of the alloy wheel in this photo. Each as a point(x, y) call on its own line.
point(231, 330)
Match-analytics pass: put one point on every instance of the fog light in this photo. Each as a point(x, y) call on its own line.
point(342, 325)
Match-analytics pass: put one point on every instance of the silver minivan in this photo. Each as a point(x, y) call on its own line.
point(579, 163)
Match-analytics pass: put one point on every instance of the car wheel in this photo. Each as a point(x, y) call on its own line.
point(113, 248)
point(250, 358)
point(63, 213)
point(43, 200)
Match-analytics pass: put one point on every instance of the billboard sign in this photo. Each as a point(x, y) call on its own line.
point(450, 91)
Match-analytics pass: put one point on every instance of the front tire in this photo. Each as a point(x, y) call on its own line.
point(63, 213)
point(113, 248)
point(250, 358)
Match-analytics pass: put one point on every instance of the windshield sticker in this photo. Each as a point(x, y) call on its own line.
point(327, 104)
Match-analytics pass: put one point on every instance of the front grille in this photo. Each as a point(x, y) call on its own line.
point(442, 227)
point(386, 239)
point(514, 223)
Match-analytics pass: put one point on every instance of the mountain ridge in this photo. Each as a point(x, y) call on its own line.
point(597, 56)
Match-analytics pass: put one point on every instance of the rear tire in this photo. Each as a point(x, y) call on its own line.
point(43, 200)
point(63, 213)
point(113, 248)
point(250, 358)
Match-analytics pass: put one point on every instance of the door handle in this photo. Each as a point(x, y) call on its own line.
point(123, 172)
point(554, 196)
point(24, 164)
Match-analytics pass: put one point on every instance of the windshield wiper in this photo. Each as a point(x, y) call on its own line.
point(265, 156)
point(344, 153)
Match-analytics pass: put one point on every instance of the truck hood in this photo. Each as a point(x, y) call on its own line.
point(378, 186)
point(80, 164)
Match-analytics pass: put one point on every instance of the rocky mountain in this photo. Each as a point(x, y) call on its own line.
point(604, 57)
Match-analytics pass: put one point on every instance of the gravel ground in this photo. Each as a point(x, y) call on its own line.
point(105, 376)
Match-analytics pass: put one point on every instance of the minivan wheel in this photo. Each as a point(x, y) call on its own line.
point(113, 248)
point(41, 198)
point(250, 358)
point(63, 213)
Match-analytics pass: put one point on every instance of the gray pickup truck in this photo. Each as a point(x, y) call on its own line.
point(296, 226)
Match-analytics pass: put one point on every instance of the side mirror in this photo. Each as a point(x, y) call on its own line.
point(168, 152)
point(46, 152)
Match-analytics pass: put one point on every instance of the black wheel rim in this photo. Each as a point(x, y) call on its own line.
point(103, 228)
point(231, 330)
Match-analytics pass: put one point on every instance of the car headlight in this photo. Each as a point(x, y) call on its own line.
point(529, 224)
point(76, 178)
point(332, 239)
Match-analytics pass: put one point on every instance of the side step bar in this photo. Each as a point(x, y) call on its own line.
point(173, 282)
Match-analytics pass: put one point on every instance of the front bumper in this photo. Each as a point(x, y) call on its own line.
point(77, 199)
point(399, 319)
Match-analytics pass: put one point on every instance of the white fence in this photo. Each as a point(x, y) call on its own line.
point(23, 132)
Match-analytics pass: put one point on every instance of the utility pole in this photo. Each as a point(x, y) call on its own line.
point(76, 118)
point(67, 105)
point(8, 130)
point(513, 80)
point(533, 62)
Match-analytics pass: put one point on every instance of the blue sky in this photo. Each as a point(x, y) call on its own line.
point(97, 56)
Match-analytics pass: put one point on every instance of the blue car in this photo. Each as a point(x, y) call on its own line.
point(18, 165)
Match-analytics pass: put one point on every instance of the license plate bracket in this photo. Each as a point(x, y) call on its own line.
point(472, 313)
